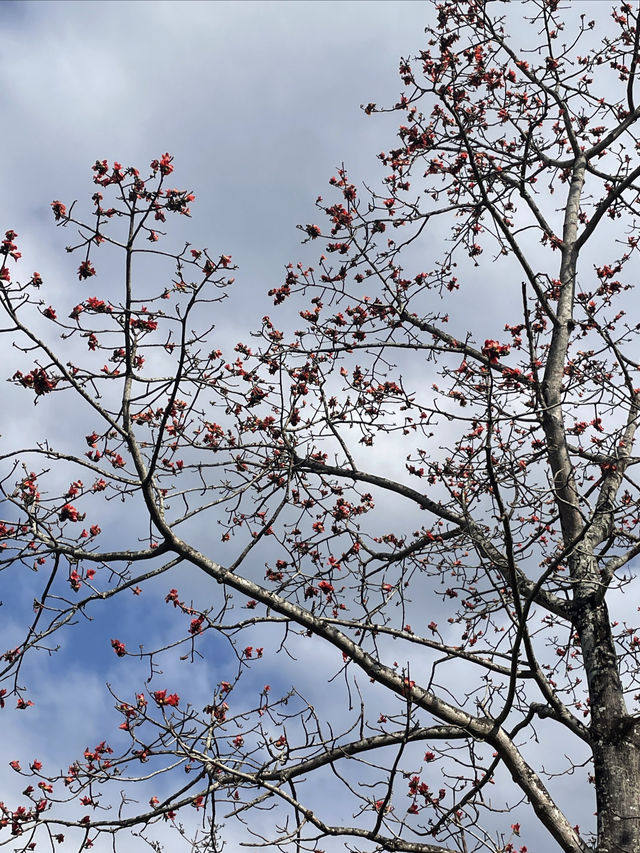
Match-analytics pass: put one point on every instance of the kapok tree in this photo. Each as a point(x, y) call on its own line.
point(424, 512)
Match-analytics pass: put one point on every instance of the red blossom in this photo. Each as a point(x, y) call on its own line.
point(70, 513)
point(97, 305)
point(38, 379)
point(119, 648)
point(196, 625)
point(85, 270)
point(59, 210)
point(163, 165)
point(494, 350)
point(172, 597)
point(161, 698)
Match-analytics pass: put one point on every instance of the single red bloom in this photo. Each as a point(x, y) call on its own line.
point(85, 270)
point(119, 648)
point(59, 210)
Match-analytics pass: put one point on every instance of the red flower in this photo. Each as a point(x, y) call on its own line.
point(70, 513)
point(493, 350)
point(161, 698)
point(38, 379)
point(173, 597)
point(85, 270)
point(59, 210)
point(163, 165)
point(97, 305)
point(119, 648)
point(196, 625)
point(49, 313)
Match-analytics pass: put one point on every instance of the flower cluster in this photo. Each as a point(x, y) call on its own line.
point(494, 350)
point(38, 379)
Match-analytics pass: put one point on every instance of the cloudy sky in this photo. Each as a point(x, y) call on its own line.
point(259, 103)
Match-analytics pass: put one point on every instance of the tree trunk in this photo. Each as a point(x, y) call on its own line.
point(617, 772)
point(615, 735)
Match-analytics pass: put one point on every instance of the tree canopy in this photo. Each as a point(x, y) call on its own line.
point(407, 495)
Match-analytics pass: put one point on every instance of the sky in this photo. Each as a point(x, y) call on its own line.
point(259, 103)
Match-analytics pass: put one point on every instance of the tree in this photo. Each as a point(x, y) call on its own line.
point(446, 511)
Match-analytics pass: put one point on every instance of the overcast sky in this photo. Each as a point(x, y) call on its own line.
point(257, 101)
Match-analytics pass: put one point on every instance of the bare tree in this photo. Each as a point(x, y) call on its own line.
point(443, 497)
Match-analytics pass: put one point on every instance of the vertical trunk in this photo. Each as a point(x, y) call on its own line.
point(617, 771)
point(615, 735)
